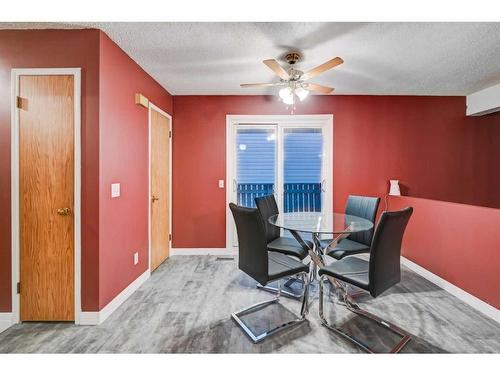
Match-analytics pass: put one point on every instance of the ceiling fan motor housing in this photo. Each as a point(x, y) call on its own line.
point(292, 57)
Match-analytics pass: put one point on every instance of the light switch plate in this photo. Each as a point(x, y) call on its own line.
point(221, 184)
point(115, 190)
point(136, 258)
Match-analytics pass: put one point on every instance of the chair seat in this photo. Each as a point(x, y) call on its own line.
point(351, 270)
point(288, 246)
point(281, 265)
point(347, 247)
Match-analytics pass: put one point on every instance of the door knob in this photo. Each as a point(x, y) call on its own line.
point(63, 211)
point(154, 198)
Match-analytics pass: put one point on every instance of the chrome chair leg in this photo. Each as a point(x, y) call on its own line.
point(354, 292)
point(353, 307)
point(304, 309)
point(256, 338)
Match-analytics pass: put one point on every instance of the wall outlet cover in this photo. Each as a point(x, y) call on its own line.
point(136, 258)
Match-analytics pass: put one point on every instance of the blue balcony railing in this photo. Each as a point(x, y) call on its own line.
point(297, 197)
point(248, 192)
point(302, 198)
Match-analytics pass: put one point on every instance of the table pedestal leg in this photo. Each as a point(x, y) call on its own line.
point(316, 253)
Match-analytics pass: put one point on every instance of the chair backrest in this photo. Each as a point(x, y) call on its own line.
point(268, 207)
point(385, 252)
point(252, 244)
point(365, 207)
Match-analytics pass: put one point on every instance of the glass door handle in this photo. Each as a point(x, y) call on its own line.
point(323, 185)
point(235, 185)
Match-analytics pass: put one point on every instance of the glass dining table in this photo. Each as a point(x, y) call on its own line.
point(334, 226)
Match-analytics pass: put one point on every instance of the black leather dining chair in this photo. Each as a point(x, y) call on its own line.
point(357, 243)
point(268, 207)
point(379, 273)
point(264, 266)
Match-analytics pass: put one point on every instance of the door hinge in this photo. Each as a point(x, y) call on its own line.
point(18, 288)
point(170, 237)
point(19, 102)
point(170, 133)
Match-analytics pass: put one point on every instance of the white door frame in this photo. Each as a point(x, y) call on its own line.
point(15, 74)
point(280, 122)
point(159, 110)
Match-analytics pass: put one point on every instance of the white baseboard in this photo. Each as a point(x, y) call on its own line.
point(218, 251)
point(461, 294)
point(6, 321)
point(97, 317)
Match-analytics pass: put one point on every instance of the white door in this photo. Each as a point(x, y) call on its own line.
point(288, 156)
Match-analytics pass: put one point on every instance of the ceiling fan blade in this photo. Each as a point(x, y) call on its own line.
point(322, 68)
point(318, 88)
point(277, 68)
point(262, 84)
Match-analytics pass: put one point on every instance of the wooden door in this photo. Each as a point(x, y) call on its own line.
point(160, 188)
point(46, 183)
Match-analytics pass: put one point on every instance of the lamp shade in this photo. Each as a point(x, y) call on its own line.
point(394, 188)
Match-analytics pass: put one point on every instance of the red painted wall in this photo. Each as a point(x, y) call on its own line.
point(425, 142)
point(123, 221)
point(114, 149)
point(54, 49)
point(457, 242)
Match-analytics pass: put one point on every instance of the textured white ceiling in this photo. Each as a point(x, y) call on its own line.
point(380, 58)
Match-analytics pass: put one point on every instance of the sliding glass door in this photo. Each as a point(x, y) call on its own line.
point(289, 157)
point(302, 164)
point(255, 174)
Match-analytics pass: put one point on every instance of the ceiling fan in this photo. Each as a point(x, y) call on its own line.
point(294, 81)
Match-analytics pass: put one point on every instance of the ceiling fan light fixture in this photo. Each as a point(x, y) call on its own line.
point(288, 100)
point(293, 80)
point(301, 93)
point(286, 94)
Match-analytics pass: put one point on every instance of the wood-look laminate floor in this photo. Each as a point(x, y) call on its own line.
point(185, 307)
